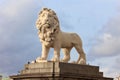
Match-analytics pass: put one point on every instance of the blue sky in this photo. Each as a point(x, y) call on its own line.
point(96, 21)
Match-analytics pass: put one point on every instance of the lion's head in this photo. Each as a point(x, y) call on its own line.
point(47, 25)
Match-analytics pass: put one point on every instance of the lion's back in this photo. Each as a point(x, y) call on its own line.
point(69, 39)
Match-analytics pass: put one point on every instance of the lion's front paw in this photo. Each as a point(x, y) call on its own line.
point(40, 59)
point(55, 59)
point(82, 61)
point(63, 60)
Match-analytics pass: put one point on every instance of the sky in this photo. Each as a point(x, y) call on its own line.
point(96, 21)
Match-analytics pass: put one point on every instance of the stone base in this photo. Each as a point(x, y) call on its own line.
point(59, 71)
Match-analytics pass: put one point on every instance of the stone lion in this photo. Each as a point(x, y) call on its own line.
point(52, 37)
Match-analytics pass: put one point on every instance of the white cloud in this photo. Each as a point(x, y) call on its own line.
point(19, 42)
point(108, 65)
point(106, 50)
point(108, 46)
point(108, 43)
point(13, 7)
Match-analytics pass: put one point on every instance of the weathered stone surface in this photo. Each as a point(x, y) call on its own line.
point(59, 71)
point(51, 35)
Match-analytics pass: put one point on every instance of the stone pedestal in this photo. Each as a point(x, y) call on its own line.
point(59, 71)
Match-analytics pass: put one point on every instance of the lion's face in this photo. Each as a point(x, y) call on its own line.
point(48, 25)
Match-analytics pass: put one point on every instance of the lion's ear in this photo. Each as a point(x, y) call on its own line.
point(44, 9)
point(50, 10)
point(40, 12)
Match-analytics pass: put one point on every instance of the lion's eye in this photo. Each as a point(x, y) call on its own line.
point(48, 27)
point(55, 30)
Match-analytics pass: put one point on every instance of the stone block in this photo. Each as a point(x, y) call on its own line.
point(59, 71)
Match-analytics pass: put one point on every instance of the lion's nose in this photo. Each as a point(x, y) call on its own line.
point(51, 32)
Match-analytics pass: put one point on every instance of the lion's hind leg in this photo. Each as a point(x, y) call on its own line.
point(66, 52)
point(82, 56)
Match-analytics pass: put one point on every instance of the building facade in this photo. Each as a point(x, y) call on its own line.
point(0, 77)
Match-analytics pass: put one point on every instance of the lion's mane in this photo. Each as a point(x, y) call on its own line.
point(47, 19)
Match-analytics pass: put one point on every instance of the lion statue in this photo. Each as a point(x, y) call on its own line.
point(52, 37)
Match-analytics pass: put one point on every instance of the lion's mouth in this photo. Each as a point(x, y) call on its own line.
point(46, 25)
point(49, 39)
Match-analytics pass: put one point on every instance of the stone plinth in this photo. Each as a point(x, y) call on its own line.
point(59, 71)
